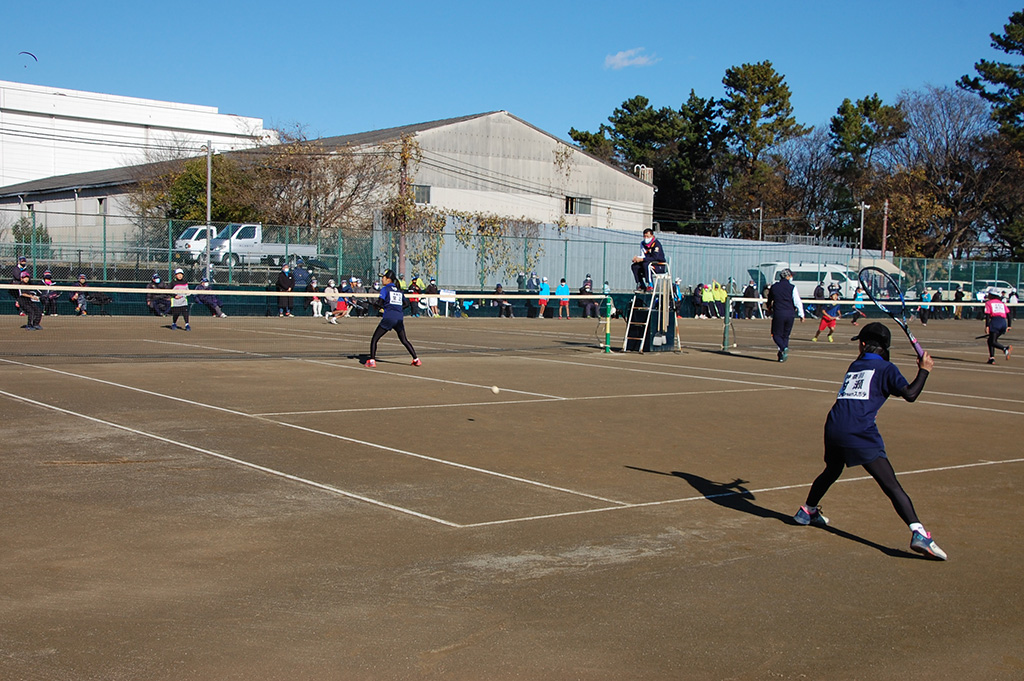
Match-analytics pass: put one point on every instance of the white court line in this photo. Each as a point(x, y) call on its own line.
point(816, 380)
point(675, 374)
point(733, 380)
point(314, 431)
point(666, 502)
point(230, 459)
point(518, 401)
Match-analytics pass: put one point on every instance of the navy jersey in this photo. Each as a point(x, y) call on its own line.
point(653, 252)
point(392, 297)
point(869, 382)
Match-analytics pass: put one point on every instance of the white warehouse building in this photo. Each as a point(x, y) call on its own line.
point(490, 163)
point(48, 131)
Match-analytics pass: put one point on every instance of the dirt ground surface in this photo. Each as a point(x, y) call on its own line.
point(248, 501)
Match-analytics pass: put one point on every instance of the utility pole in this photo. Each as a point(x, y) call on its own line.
point(860, 254)
point(206, 228)
point(885, 227)
point(760, 220)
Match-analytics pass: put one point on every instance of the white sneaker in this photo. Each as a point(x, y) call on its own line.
point(333, 320)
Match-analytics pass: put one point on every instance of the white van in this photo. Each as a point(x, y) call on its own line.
point(807, 276)
point(191, 245)
point(983, 286)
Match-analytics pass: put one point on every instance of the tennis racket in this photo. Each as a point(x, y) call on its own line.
point(875, 279)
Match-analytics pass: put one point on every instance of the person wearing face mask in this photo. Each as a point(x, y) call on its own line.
point(651, 258)
point(285, 284)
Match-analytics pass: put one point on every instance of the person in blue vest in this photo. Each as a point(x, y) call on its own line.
point(390, 303)
point(784, 305)
point(852, 437)
point(651, 258)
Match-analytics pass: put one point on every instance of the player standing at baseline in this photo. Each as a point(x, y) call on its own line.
point(390, 302)
point(852, 437)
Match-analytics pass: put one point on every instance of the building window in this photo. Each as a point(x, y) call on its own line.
point(575, 205)
point(421, 193)
point(101, 206)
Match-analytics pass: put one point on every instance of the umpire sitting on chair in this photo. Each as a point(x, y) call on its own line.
point(652, 258)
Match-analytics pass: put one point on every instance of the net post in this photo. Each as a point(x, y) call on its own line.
point(725, 326)
point(608, 325)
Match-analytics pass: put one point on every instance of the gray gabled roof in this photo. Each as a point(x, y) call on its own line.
point(114, 177)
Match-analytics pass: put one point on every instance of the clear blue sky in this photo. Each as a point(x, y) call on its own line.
point(344, 67)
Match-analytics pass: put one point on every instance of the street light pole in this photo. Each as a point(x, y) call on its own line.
point(860, 253)
point(760, 219)
point(209, 166)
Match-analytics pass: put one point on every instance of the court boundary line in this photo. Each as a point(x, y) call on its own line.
point(393, 450)
point(708, 497)
point(232, 460)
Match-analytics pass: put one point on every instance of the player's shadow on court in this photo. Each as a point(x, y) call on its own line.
point(734, 496)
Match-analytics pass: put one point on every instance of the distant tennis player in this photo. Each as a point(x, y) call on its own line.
point(390, 302)
point(996, 312)
point(852, 437)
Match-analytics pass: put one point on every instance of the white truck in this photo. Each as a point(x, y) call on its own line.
point(242, 243)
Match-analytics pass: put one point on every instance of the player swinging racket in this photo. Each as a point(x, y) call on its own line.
point(390, 302)
point(852, 437)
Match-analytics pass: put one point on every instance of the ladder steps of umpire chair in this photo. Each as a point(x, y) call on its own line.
point(644, 306)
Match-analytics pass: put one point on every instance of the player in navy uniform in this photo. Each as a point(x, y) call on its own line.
point(852, 437)
point(390, 302)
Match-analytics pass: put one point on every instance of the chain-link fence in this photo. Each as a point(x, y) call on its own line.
point(126, 250)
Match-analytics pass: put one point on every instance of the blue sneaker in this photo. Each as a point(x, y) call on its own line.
point(174, 327)
point(804, 516)
point(924, 544)
point(188, 328)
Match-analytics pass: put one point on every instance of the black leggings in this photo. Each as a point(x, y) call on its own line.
point(881, 470)
point(994, 332)
point(379, 333)
point(177, 312)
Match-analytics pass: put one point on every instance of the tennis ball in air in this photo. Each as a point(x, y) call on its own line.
point(495, 389)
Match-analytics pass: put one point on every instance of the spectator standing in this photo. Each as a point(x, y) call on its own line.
point(432, 292)
point(958, 298)
point(301, 275)
point(721, 295)
point(1011, 311)
point(544, 293)
point(925, 307)
point(285, 284)
point(563, 298)
point(750, 306)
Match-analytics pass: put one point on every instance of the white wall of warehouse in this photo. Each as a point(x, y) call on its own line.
point(47, 131)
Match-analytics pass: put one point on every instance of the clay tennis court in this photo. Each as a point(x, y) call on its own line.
point(248, 501)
